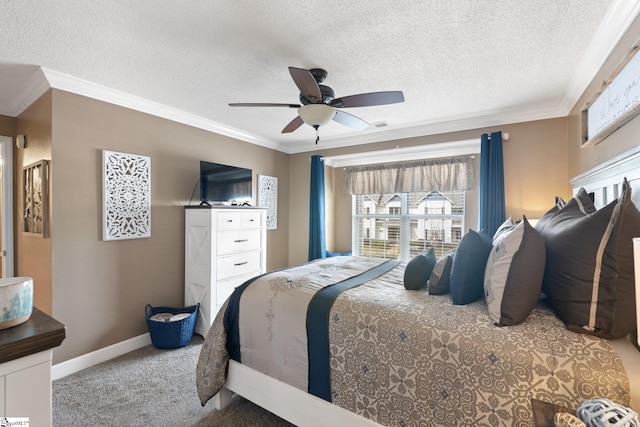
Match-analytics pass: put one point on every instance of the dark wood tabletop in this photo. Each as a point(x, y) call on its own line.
point(41, 332)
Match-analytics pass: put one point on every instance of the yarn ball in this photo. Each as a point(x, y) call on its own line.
point(605, 413)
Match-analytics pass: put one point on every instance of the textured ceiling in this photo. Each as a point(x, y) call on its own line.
point(460, 64)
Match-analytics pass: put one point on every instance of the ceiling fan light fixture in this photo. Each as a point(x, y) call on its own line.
point(316, 114)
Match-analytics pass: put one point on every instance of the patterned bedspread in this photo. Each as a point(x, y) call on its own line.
point(406, 358)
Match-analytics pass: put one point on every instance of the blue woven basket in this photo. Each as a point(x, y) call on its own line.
point(171, 334)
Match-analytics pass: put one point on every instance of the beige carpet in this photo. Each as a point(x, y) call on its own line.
point(147, 387)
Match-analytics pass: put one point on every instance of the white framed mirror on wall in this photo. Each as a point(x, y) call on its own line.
point(6, 200)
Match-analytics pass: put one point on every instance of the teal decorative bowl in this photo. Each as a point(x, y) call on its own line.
point(16, 301)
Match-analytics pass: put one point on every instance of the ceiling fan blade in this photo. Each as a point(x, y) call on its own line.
point(293, 125)
point(368, 99)
point(306, 83)
point(262, 104)
point(350, 120)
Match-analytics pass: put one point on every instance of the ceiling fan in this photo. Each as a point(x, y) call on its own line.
point(319, 104)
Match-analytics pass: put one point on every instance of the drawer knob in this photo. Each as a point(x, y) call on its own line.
point(237, 264)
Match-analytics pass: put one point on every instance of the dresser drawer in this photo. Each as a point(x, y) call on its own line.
point(229, 220)
point(238, 241)
point(235, 220)
point(226, 287)
point(238, 264)
point(252, 219)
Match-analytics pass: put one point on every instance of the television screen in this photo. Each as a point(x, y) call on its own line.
point(222, 183)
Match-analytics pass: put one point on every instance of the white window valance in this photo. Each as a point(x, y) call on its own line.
point(455, 173)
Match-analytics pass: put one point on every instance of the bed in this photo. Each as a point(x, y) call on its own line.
point(407, 358)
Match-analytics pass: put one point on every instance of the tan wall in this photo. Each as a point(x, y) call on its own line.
point(624, 139)
point(8, 125)
point(100, 288)
point(33, 255)
point(535, 164)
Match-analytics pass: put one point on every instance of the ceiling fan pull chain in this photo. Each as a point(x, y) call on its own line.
point(317, 134)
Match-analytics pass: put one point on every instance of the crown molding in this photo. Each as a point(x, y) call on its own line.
point(44, 79)
point(446, 125)
point(86, 88)
point(35, 86)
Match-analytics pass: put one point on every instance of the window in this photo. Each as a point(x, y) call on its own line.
point(401, 226)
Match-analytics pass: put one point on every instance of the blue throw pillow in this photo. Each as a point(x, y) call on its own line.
point(466, 282)
point(418, 270)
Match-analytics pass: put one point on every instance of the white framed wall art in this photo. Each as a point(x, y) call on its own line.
point(126, 196)
point(268, 198)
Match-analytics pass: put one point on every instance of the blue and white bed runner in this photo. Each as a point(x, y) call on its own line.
point(278, 323)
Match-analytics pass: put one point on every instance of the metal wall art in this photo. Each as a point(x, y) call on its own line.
point(126, 196)
point(35, 197)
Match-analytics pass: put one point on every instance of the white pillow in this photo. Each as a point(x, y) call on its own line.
point(504, 227)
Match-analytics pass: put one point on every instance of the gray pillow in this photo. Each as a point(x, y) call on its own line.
point(513, 276)
point(580, 204)
point(418, 270)
point(589, 276)
point(439, 280)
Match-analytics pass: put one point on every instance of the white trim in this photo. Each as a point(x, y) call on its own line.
point(430, 151)
point(609, 172)
point(45, 78)
point(35, 86)
point(86, 88)
point(88, 360)
point(286, 401)
point(7, 247)
point(490, 119)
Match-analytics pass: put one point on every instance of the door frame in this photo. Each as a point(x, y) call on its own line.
point(8, 249)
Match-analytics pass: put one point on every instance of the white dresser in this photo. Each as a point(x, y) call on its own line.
point(223, 248)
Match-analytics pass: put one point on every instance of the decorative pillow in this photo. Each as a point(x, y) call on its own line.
point(589, 276)
point(580, 204)
point(513, 276)
point(418, 270)
point(506, 226)
point(466, 282)
point(439, 280)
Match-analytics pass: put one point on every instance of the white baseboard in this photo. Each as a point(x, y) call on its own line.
point(79, 363)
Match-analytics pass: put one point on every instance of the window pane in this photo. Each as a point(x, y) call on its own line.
point(432, 220)
point(380, 237)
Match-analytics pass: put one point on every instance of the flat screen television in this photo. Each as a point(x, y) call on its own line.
point(221, 184)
